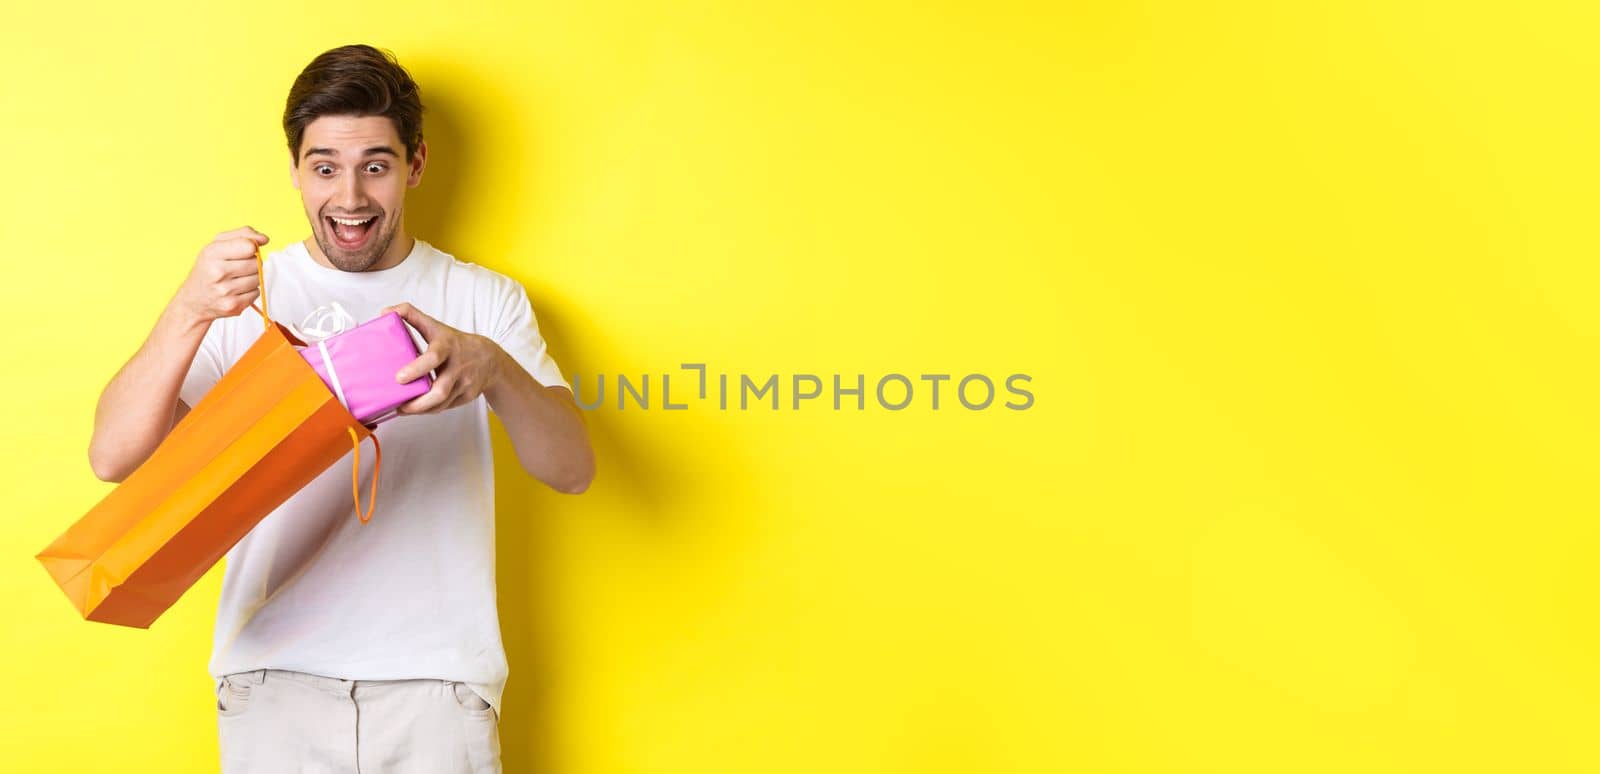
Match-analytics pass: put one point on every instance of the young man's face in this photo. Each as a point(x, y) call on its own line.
point(353, 175)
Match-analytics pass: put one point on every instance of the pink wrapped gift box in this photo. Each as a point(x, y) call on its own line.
point(360, 364)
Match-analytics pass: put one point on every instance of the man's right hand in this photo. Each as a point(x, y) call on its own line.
point(224, 281)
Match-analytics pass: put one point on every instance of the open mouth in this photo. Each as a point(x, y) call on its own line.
point(352, 233)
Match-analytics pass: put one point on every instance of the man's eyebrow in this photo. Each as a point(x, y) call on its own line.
point(376, 150)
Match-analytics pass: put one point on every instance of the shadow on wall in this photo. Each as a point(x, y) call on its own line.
point(636, 477)
point(431, 207)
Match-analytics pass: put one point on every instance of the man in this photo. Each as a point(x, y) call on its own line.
point(341, 646)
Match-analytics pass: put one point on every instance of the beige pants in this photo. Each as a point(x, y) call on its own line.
point(272, 720)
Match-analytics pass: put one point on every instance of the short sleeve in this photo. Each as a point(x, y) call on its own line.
point(206, 369)
point(517, 332)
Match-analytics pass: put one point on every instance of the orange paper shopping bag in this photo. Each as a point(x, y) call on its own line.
point(268, 427)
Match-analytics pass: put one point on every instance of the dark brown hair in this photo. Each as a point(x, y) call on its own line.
point(354, 80)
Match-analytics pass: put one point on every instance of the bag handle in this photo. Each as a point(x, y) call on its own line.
point(261, 283)
point(355, 476)
point(355, 440)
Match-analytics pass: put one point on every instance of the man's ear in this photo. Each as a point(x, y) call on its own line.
point(419, 160)
point(294, 179)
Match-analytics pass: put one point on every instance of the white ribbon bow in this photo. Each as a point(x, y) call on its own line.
point(324, 322)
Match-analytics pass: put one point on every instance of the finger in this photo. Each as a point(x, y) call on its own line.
point(234, 287)
point(235, 249)
point(442, 388)
point(246, 232)
point(232, 269)
point(414, 370)
point(234, 305)
point(423, 405)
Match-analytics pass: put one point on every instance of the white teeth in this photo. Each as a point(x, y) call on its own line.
point(348, 222)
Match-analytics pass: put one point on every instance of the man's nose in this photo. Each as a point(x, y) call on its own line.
point(350, 196)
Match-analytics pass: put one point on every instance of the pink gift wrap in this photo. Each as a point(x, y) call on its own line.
point(365, 360)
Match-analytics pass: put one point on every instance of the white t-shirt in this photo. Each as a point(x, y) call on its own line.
point(410, 594)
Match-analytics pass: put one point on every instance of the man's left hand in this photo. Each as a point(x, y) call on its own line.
point(464, 364)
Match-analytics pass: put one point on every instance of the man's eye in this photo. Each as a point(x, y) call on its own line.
point(323, 169)
point(375, 168)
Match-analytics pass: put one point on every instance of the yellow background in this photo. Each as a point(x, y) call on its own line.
point(1306, 292)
